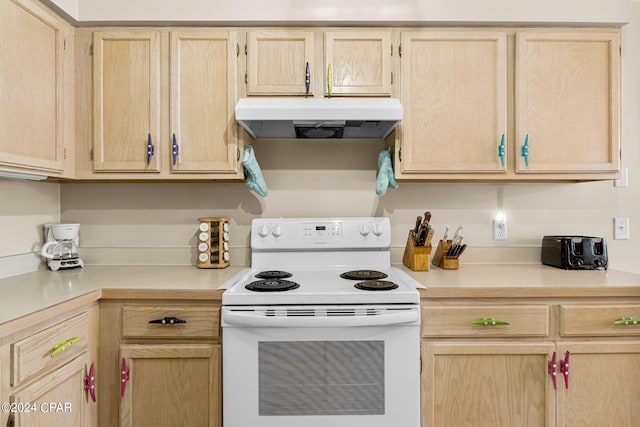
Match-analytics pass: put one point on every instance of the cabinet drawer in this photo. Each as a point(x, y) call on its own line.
point(199, 322)
point(599, 320)
point(49, 348)
point(458, 321)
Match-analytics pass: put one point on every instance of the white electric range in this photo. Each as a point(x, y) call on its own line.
point(321, 329)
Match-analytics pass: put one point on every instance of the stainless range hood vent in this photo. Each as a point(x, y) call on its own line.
point(287, 118)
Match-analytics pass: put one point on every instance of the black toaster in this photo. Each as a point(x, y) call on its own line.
point(575, 252)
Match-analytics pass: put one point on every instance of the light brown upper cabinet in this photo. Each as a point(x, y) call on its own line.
point(319, 63)
point(511, 105)
point(126, 101)
point(203, 98)
point(32, 54)
point(454, 95)
point(277, 61)
point(142, 76)
point(358, 63)
point(568, 101)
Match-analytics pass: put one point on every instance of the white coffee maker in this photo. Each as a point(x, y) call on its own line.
point(61, 246)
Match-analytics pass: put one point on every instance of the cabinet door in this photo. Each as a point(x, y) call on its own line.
point(359, 61)
point(57, 399)
point(203, 96)
point(172, 385)
point(604, 384)
point(277, 61)
point(567, 101)
point(31, 79)
point(126, 93)
point(454, 94)
point(476, 384)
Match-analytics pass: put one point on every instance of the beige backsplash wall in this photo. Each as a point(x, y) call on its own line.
point(139, 223)
point(157, 222)
point(24, 207)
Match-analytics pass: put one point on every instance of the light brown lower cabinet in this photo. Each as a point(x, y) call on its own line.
point(163, 363)
point(48, 370)
point(170, 385)
point(603, 385)
point(487, 375)
point(58, 399)
point(486, 384)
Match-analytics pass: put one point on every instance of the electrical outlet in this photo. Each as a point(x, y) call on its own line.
point(500, 229)
point(621, 228)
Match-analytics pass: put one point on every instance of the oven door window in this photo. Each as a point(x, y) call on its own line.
point(321, 378)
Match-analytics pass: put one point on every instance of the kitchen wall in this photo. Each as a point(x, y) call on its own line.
point(24, 207)
point(141, 223)
point(157, 222)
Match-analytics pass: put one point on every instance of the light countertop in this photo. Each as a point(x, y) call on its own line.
point(29, 293)
point(524, 280)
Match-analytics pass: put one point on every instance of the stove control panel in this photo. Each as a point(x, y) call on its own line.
point(324, 233)
point(321, 231)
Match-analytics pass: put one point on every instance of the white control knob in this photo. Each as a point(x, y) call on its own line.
point(377, 229)
point(263, 231)
point(364, 229)
point(277, 231)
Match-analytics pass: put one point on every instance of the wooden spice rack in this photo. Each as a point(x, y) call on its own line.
point(442, 260)
point(213, 243)
point(416, 257)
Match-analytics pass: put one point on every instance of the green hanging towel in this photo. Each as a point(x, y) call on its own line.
point(252, 174)
point(385, 177)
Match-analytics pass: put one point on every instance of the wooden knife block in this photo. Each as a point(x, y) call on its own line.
point(442, 260)
point(416, 257)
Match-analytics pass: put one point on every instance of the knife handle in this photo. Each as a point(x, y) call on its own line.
point(422, 235)
point(462, 249)
point(451, 250)
point(418, 223)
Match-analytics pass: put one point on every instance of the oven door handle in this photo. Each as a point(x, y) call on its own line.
point(234, 318)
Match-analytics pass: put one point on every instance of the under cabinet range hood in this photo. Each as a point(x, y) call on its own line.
point(286, 118)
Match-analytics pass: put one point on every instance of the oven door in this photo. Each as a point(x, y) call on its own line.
point(324, 369)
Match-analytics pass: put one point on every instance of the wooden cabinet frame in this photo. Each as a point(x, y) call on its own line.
point(362, 62)
point(35, 47)
point(562, 97)
point(503, 374)
point(154, 365)
point(186, 86)
point(453, 74)
point(196, 353)
point(126, 108)
point(568, 101)
point(482, 381)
